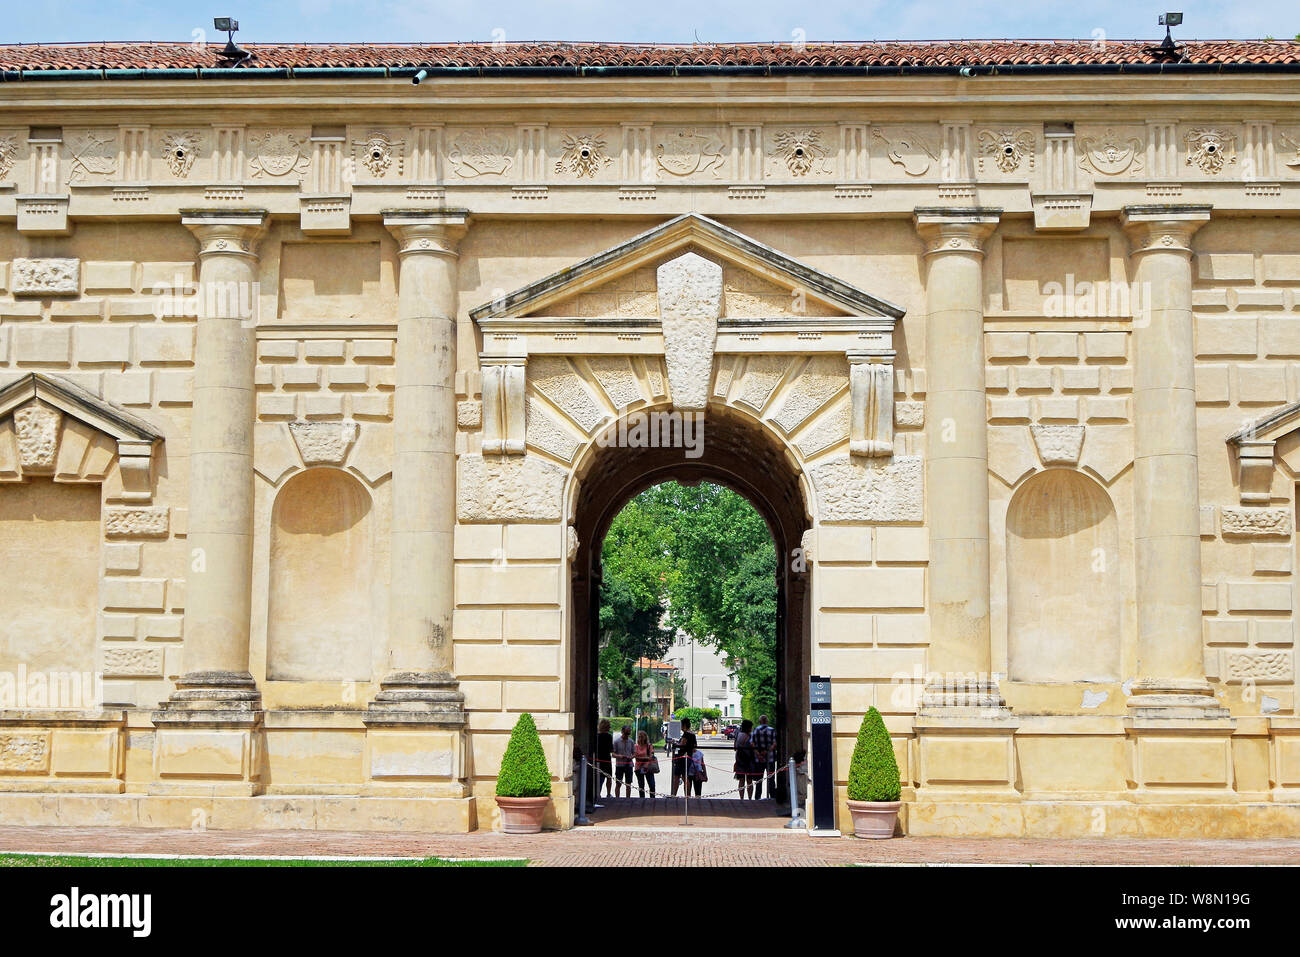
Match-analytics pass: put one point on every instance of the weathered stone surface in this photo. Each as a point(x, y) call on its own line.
point(323, 443)
point(760, 378)
point(616, 377)
point(22, 752)
point(135, 521)
point(46, 276)
point(1255, 521)
point(526, 489)
point(1058, 444)
point(1267, 666)
point(909, 415)
point(37, 428)
point(546, 434)
point(690, 302)
point(469, 414)
point(830, 428)
point(556, 379)
point(819, 381)
point(132, 662)
point(853, 491)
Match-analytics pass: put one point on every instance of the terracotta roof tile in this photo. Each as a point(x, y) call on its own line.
point(945, 53)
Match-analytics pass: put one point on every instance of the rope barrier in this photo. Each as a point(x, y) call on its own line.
point(773, 774)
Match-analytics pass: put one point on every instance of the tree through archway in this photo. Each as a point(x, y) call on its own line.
point(688, 560)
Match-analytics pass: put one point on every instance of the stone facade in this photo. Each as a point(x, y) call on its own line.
point(312, 413)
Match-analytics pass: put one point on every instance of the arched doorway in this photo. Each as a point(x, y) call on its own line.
point(737, 453)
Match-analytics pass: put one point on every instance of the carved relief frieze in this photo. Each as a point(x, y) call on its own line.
point(584, 155)
point(24, 752)
point(687, 152)
point(858, 490)
point(524, 488)
point(1260, 666)
point(323, 443)
point(1058, 444)
point(379, 154)
point(1112, 154)
point(92, 154)
point(1008, 148)
point(1251, 521)
point(276, 153)
point(909, 149)
point(36, 426)
point(1292, 142)
point(8, 153)
point(179, 148)
point(1210, 150)
point(802, 152)
point(480, 152)
point(46, 277)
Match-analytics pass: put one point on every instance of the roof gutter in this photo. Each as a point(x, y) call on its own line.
point(666, 70)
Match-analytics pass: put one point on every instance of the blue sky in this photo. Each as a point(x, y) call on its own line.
point(637, 21)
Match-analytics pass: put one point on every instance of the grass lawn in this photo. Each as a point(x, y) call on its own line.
point(70, 860)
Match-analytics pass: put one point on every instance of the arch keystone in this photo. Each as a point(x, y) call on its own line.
point(690, 304)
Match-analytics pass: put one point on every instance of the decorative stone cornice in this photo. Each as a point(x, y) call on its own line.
point(226, 232)
point(956, 229)
point(434, 231)
point(1163, 228)
point(1256, 445)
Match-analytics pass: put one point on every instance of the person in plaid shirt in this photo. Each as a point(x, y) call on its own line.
point(764, 740)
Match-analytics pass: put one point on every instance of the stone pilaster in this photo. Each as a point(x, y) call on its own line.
point(209, 729)
point(964, 728)
point(416, 718)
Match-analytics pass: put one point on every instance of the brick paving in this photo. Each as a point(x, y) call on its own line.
point(672, 812)
point(658, 847)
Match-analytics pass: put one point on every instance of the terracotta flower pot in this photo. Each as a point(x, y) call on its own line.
point(522, 815)
point(874, 819)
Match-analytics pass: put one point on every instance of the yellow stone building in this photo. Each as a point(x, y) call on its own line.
point(320, 387)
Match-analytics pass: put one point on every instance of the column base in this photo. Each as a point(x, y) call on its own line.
point(1174, 698)
point(417, 697)
point(209, 738)
point(415, 738)
point(965, 736)
point(1181, 749)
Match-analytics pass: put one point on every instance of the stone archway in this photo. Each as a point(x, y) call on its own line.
point(739, 454)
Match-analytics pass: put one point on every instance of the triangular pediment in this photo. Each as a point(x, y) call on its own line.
point(620, 282)
point(82, 405)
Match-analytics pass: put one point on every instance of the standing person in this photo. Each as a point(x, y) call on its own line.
point(647, 765)
point(624, 752)
point(744, 766)
point(685, 749)
point(604, 758)
point(764, 739)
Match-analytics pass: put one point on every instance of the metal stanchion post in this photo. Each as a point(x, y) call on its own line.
point(582, 796)
point(796, 817)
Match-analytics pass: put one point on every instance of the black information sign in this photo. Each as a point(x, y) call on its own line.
point(823, 775)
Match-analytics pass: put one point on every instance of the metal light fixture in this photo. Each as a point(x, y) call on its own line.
point(231, 52)
point(1169, 20)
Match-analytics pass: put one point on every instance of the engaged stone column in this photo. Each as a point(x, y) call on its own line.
point(207, 729)
point(964, 731)
point(418, 686)
point(1166, 514)
point(956, 437)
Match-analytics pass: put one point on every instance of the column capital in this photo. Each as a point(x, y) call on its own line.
point(230, 232)
point(1163, 228)
point(437, 231)
point(956, 229)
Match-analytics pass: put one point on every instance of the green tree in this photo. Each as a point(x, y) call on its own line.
point(705, 554)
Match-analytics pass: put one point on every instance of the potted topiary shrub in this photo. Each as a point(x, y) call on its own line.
point(524, 783)
point(874, 784)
